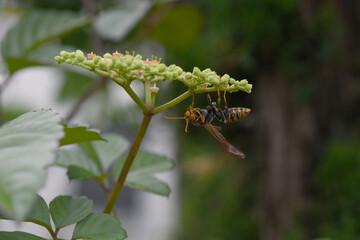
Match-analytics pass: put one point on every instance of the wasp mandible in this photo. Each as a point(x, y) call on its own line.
point(204, 117)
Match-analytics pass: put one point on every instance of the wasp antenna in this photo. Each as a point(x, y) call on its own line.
point(174, 117)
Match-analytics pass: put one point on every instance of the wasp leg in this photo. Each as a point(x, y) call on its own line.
point(193, 101)
point(218, 91)
point(186, 127)
point(209, 99)
point(226, 106)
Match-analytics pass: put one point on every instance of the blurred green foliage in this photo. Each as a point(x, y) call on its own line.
point(218, 194)
point(338, 184)
point(247, 38)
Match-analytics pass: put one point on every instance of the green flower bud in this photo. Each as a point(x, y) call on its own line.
point(102, 64)
point(107, 55)
point(168, 75)
point(172, 67)
point(203, 75)
point(128, 60)
point(188, 76)
point(65, 54)
point(69, 61)
point(196, 71)
point(97, 59)
point(179, 71)
point(138, 57)
point(243, 82)
point(59, 59)
point(161, 67)
point(90, 63)
point(146, 67)
point(214, 80)
point(108, 63)
point(232, 81)
point(154, 71)
point(72, 54)
point(121, 65)
point(136, 64)
point(248, 88)
point(225, 78)
point(79, 55)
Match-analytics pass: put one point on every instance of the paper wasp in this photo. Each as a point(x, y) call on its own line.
point(204, 117)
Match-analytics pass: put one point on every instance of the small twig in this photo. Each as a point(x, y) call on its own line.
point(90, 91)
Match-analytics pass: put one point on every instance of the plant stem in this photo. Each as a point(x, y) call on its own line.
point(172, 103)
point(182, 97)
point(136, 99)
point(128, 162)
point(147, 93)
point(126, 87)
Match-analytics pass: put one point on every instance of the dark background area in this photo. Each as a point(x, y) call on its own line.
point(301, 176)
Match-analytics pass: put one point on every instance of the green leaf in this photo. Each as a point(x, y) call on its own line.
point(115, 23)
point(109, 151)
point(106, 153)
point(99, 226)
point(88, 148)
point(19, 236)
point(148, 184)
point(27, 146)
point(145, 164)
point(66, 210)
point(79, 165)
point(78, 173)
point(77, 134)
point(40, 214)
point(35, 29)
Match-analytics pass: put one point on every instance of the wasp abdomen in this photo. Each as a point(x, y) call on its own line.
point(233, 114)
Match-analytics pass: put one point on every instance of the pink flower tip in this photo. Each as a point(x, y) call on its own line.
point(116, 54)
point(154, 89)
point(147, 61)
point(91, 55)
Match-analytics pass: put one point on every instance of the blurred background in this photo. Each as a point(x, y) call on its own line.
point(301, 176)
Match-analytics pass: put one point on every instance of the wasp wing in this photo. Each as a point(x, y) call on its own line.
point(230, 148)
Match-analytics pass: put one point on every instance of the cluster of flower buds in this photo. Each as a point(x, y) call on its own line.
point(132, 67)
